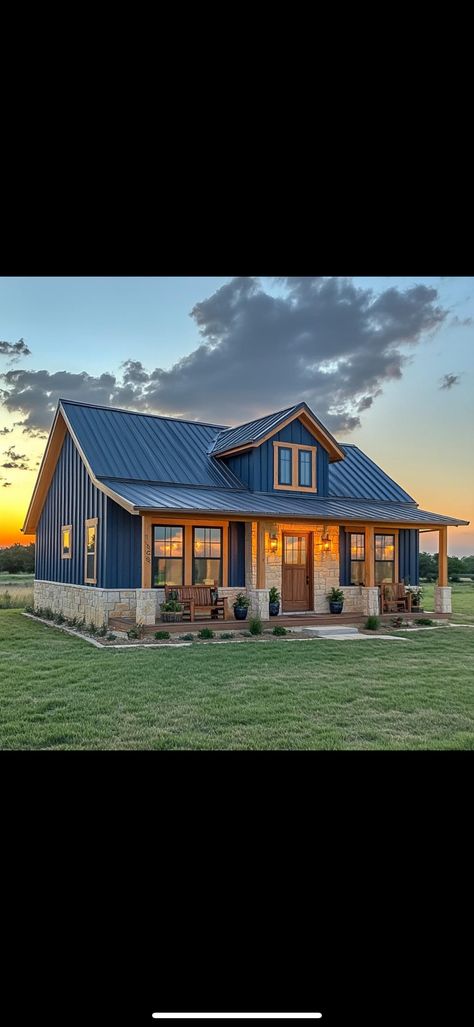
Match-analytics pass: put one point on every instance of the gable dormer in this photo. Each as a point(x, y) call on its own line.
point(288, 451)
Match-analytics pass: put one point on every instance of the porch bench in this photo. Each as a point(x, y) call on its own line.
point(394, 598)
point(197, 597)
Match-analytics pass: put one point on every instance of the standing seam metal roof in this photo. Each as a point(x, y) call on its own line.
point(149, 496)
point(129, 445)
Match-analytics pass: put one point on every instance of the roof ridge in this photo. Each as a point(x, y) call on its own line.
point(253, 420)
point(140, 413)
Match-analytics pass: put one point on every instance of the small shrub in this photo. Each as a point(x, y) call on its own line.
point(241, 600)
point(171, 607)
point(279, 630)
point(101, 632)
point(59, 619)
point(162, 634)
point(111, 637)
point(91, 628)
point(47, 613)
point(372, 623)
point(274, 595)
point(206, 633)
point(227, 634)
point(255, 626)
point(186, 638)
point(29, 609)
point(425, 621)
point(5, 601)
point(397, 622)
point(246, 634)
point(72, 622)
point(137, 632)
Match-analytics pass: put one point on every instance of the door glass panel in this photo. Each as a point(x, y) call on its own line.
point(295, 549)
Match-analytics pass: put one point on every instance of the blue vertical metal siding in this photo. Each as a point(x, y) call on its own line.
point(255, 468)
point(124, 548)
point(236, 553)
point(408, 555)
point(72, 498)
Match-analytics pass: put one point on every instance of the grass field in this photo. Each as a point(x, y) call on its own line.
point(16, 590)
point(58, 692)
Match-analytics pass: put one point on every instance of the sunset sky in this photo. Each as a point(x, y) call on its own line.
point(386, 363)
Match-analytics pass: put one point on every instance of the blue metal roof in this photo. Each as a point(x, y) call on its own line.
point(251, 431)
point(242, 501)
point(122, 444)
point(359, 478)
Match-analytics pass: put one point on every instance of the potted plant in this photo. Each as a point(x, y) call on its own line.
point(274, 602)
point(171, 611)
point(336, 600)
point(241, 605)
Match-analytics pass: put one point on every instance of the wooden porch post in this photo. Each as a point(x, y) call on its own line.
point(260, 554)
point(369, 556)
point(146, 551)
point(443, 557)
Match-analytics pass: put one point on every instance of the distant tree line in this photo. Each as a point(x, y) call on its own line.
point(458, 566)
point(18, 559)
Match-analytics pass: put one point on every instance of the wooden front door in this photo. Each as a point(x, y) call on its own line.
point(296, 572)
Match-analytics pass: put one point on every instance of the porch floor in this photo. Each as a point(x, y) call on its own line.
point(293, 620)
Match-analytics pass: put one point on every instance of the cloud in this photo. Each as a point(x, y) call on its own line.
point(15, 461)
point(135, 372)
point(322, 340)
point(14, 456)
point(6, 484)
point(6, 431)
point(457, 322)
point(448, 380)
point(15, 349)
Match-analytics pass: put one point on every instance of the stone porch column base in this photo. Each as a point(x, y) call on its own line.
point(442, 597)
point(258, 602)
point(146, 605)
point(370, 598)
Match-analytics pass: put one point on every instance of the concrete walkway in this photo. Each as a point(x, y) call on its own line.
point(348, 632)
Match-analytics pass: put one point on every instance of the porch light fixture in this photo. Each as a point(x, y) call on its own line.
point(273, 537)
point(325, 541)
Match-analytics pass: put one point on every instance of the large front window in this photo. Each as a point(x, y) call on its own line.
point(384, 559)
point(207, 556)
point(168, 553)
point(357, 559)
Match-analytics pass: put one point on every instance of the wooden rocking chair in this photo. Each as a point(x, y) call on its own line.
point(394, 598)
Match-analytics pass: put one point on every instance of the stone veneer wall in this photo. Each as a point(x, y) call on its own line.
point(86, 602)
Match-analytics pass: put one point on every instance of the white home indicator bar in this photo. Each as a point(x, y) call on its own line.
point(237, 1016)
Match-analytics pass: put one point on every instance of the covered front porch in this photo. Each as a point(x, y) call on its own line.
point(302, 560)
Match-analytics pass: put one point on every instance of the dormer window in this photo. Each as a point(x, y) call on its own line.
point(294, 467)
point(284, 466)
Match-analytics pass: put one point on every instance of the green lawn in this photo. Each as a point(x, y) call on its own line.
point(58, 692)
point(462, 598)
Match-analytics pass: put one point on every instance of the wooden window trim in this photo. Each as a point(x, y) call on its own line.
point(148, 519)
point(66, 527)
point(174, 524)
point(218, 527)
point(92, 522)
point(295, 448)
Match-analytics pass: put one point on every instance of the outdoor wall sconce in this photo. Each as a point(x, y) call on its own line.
point(273, 542)
point(325, 541)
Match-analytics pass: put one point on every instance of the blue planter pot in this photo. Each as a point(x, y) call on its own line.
point(274, 609)
point(336, 607)
point(240, 612)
